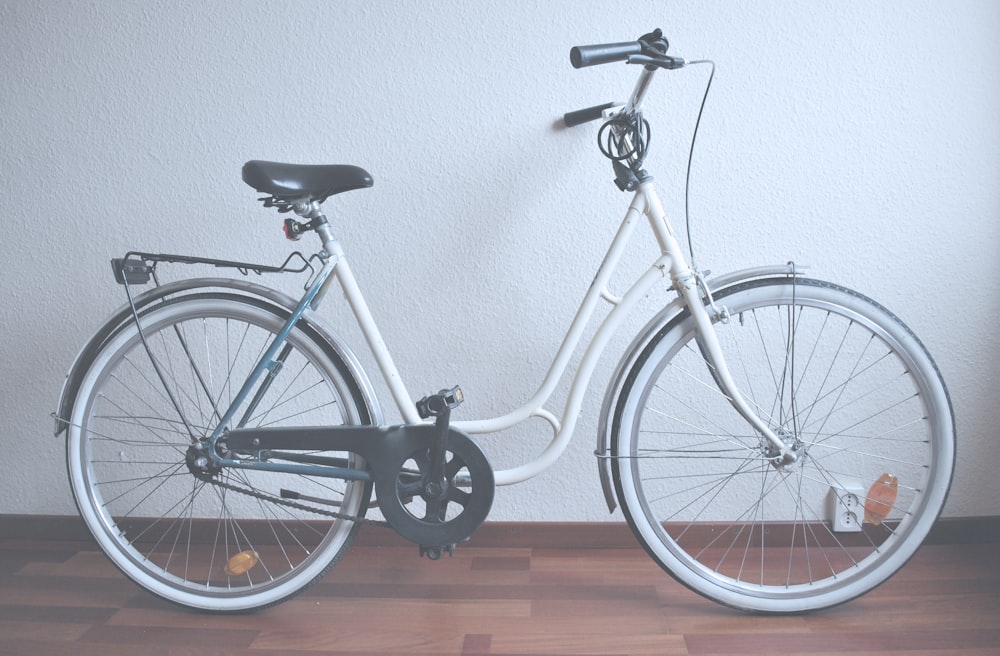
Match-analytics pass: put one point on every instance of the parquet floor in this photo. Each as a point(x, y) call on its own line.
point(62, 597)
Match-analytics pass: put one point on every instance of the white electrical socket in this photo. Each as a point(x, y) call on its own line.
point(845, 508)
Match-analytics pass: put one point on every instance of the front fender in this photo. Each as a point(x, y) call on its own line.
point(662, 318)
point(123, 316)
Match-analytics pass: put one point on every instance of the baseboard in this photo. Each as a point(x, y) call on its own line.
point(552, 535)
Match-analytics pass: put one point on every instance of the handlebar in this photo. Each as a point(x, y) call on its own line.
point(581, 116)
point(649, 50)
point(582, 56)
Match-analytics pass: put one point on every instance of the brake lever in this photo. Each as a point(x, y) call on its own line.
point(662, 61)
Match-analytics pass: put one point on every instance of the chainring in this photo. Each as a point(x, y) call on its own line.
point(429, 513)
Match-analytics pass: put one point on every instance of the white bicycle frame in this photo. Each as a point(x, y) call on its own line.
point(670, 265)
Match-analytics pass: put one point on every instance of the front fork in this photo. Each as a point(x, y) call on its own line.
point(686, 282)
point(780, 451)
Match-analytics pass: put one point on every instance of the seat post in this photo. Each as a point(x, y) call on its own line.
point(314, 212)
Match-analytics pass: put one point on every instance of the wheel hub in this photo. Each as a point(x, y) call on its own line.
point(199, 463)
point(794, 456)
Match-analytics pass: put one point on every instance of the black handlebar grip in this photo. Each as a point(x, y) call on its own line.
point(582, 116)
point(581, 56)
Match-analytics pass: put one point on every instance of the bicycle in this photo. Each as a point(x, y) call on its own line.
point(776, 443)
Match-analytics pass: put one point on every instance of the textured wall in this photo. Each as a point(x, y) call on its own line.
point(860, 138)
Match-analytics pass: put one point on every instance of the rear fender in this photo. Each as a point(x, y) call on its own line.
point(123, 316)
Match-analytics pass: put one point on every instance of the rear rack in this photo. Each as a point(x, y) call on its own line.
point(137, 268)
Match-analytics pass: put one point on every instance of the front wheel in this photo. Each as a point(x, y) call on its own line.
point(847, 386)
point(223, 540)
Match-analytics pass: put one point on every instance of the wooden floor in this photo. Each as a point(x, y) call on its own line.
point(61, 596)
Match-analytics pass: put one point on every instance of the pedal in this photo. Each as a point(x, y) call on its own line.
point(436, 404)
point(435, 553)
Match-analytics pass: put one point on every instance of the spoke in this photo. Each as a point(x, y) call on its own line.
point(133, 392)
point(159, 479)
point(712, 387)
point(282, 420)
point(280, 400)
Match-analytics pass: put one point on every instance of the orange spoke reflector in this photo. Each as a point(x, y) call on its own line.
point(241, 563)
point(881, 498)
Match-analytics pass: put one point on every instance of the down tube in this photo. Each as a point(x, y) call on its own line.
point(573, 336)
point(656, 273)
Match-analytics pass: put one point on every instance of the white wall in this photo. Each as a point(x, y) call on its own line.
point(861, 138)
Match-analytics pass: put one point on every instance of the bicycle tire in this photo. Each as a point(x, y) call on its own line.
point(177, 534)
point(829, 370)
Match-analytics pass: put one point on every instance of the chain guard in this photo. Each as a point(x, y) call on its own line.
point(398, 457)
point(437, 512)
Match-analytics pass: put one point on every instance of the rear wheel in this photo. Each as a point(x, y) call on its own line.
point(843, 383)
point(230, 539)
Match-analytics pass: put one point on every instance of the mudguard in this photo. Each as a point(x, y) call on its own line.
point(332, 344)
point(662, 318)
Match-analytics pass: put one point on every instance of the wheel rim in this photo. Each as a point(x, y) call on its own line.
point(198, 541)
point(713, 510)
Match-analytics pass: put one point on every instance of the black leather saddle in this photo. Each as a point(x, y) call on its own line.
point(298, 182)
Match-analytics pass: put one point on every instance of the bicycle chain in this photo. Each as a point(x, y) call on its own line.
point(300, 506)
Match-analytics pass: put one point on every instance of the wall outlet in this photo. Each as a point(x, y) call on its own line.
point(845, 508)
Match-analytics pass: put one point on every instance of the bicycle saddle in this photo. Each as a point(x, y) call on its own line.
point(304, 181)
